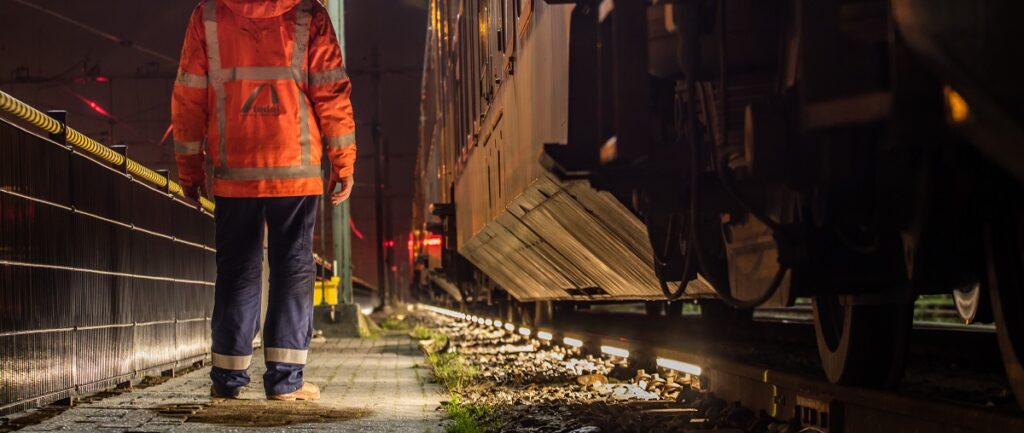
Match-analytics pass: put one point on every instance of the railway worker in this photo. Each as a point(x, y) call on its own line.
point(262, 84)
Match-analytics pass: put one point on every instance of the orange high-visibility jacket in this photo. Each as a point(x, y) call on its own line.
point(262, 82)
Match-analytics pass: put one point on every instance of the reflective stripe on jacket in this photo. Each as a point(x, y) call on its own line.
point(263, 85)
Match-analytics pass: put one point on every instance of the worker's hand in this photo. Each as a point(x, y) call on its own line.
point(346, 184)
point(195, 191)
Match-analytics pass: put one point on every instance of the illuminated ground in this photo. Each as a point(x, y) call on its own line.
point(375, 385)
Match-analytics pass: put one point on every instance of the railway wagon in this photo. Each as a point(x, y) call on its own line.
point(744, 152)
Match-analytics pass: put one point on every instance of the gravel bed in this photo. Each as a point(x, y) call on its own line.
point(534, 386)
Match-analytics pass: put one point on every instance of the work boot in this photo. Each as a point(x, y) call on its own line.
point(214, 394)
point(307, 392)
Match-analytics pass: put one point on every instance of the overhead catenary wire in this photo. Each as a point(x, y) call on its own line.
point(108, 36)
point(46, 123)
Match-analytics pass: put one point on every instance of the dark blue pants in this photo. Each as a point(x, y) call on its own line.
point(289, 225)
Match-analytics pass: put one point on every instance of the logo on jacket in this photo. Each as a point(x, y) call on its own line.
point(272, 109)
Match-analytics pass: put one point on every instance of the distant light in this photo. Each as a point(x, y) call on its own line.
point(572, 342)
point(97, 108)
point(355, 231)
point(544, 335)
point(684, 367)
point(615, 351)
point(366, 311)
point(167, 134)
point(488, 322)
point(510, 327)
point(524, 331)
point(497, 323)
point(957, 107)
point(94, 105)
point(433, 241)
point(101, 79)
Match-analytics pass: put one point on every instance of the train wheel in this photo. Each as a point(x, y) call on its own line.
point(972, 303)
point(862, 344)
point(1006, 283)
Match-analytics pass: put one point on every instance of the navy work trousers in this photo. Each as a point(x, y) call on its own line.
point(289, 225)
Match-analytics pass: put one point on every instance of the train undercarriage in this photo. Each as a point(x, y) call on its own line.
point(858, 153)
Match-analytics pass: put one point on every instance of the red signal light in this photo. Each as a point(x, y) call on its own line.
point(94, 106)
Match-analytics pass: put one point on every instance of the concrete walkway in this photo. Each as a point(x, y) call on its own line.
point(369, 386)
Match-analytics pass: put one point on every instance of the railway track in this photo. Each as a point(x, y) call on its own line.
point(785, 383)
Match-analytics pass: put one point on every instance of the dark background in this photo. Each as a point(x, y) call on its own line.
point(66, 63)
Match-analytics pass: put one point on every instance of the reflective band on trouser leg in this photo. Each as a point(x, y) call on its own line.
point(341, 142)
point(329, 76)
point(187, 147)
point(231, 362)
point(213, 54)
point(286, 356)
point(267, 173)
point(303, 16)
point(191, 80)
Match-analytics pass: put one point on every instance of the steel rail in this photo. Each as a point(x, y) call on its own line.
point(46, 123)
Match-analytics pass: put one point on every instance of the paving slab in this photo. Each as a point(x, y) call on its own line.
point(368, 386)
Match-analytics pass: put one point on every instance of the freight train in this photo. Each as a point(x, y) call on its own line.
point(741, 152)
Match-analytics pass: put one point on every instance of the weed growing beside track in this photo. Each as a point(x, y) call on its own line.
point(451, 370)
point(469, 417)
point(394, 323)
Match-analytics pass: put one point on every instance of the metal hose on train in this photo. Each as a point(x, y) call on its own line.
point(690, 41)
point(50, 125)
point(662, 259)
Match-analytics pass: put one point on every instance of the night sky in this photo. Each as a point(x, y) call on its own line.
point(55, 63)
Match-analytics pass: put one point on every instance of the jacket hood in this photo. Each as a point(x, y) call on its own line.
point(260, 8)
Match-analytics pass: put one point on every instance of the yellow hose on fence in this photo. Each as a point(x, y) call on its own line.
point(23, 111)
point(42, 121)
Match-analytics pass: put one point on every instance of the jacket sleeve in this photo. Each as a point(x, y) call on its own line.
point(329, 90)
point(189, 103)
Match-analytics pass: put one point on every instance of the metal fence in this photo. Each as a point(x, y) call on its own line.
point(104, 278)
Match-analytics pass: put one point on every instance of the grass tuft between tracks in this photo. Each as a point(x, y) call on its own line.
point(394, 323)
point(423, 333)
point(455, 374)
point(469, 418)
point(451, 370)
